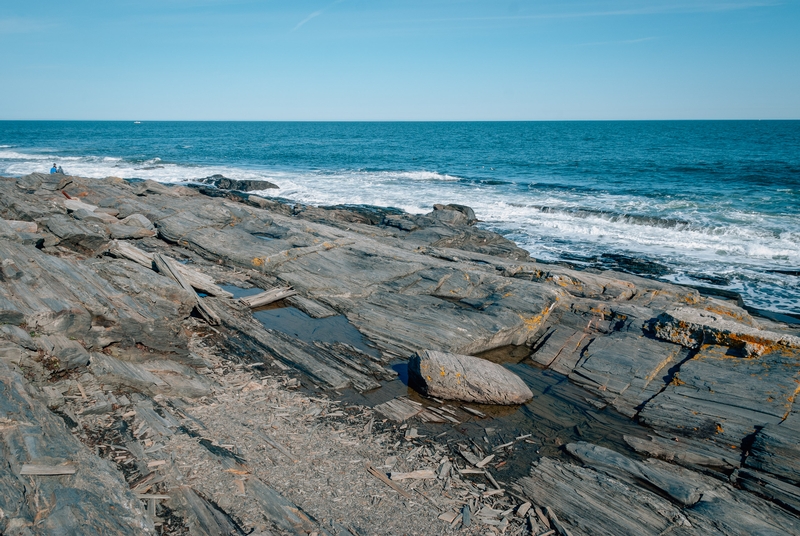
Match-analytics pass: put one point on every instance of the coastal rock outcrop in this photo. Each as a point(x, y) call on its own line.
point(242, 185)
point(84, 277)
point(466, 378)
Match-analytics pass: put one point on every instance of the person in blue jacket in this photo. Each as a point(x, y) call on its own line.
point(53, 169)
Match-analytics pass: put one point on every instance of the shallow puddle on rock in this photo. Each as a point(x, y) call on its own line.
point(239, 292)
point(294, 322)
point(559, 413)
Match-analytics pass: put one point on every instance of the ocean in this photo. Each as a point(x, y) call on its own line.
point(714, 204)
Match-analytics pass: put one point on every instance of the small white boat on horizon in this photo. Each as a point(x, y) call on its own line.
point(137, 122)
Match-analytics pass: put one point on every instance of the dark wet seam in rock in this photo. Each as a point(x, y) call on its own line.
point(671, 372)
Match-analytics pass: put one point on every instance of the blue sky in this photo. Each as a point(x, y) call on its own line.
point(399, 60)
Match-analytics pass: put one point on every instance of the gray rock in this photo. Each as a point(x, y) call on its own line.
point(152, 377)
point(466, 378)
point(98, 302)
point(769, 487)
point(129, 232)
point(615, 502)
point(692, 328)
point(18, 336)
point(694, 453)
point(95, 500)
point(463, 209)
point(681, 485)
point(93, 217)
point(138, 220)
point(149, 187)
point(450, 217)
point(776, 449)
point(481, 241)
point(723, 397)
point(68, 354)
point(224, 183)
point(626, 369)
point(78, 235)
point(75, 205)
point(592, 503)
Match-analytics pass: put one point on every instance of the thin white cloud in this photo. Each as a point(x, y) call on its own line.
point(700, 7)
point(305, 20)
point(316, 14)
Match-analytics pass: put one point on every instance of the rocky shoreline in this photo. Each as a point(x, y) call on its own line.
point(139, 396)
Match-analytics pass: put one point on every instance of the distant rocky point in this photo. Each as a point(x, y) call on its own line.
point(224, 183)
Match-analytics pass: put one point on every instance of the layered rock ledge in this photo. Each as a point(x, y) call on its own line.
point(128, 375)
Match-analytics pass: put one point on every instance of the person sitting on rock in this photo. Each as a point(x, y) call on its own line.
point(53, 169)
point(60, 170)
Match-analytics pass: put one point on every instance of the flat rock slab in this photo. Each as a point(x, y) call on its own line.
point(466, 378)
point(626, 369)
point(689, 452)
point(716, 395)
point(769, 487)
point(776, 449)
point(680, 485)
point(592, 503)
point(613, 502)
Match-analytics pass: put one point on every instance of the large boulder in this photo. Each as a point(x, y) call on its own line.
point(466, 378)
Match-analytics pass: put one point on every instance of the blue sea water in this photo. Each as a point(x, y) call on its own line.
point(707, 203)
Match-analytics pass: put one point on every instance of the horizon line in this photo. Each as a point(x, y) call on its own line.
point(392, 120)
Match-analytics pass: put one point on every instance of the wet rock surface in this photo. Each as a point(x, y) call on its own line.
point(123, 358)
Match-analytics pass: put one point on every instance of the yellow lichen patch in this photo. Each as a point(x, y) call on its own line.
point(532, 323)
point(258, 261)
point(712, 308)
point(691, 299)
point(719, 429)
point(564, 281)
point(677, 381)
point(442, 372)
point(790, 400)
